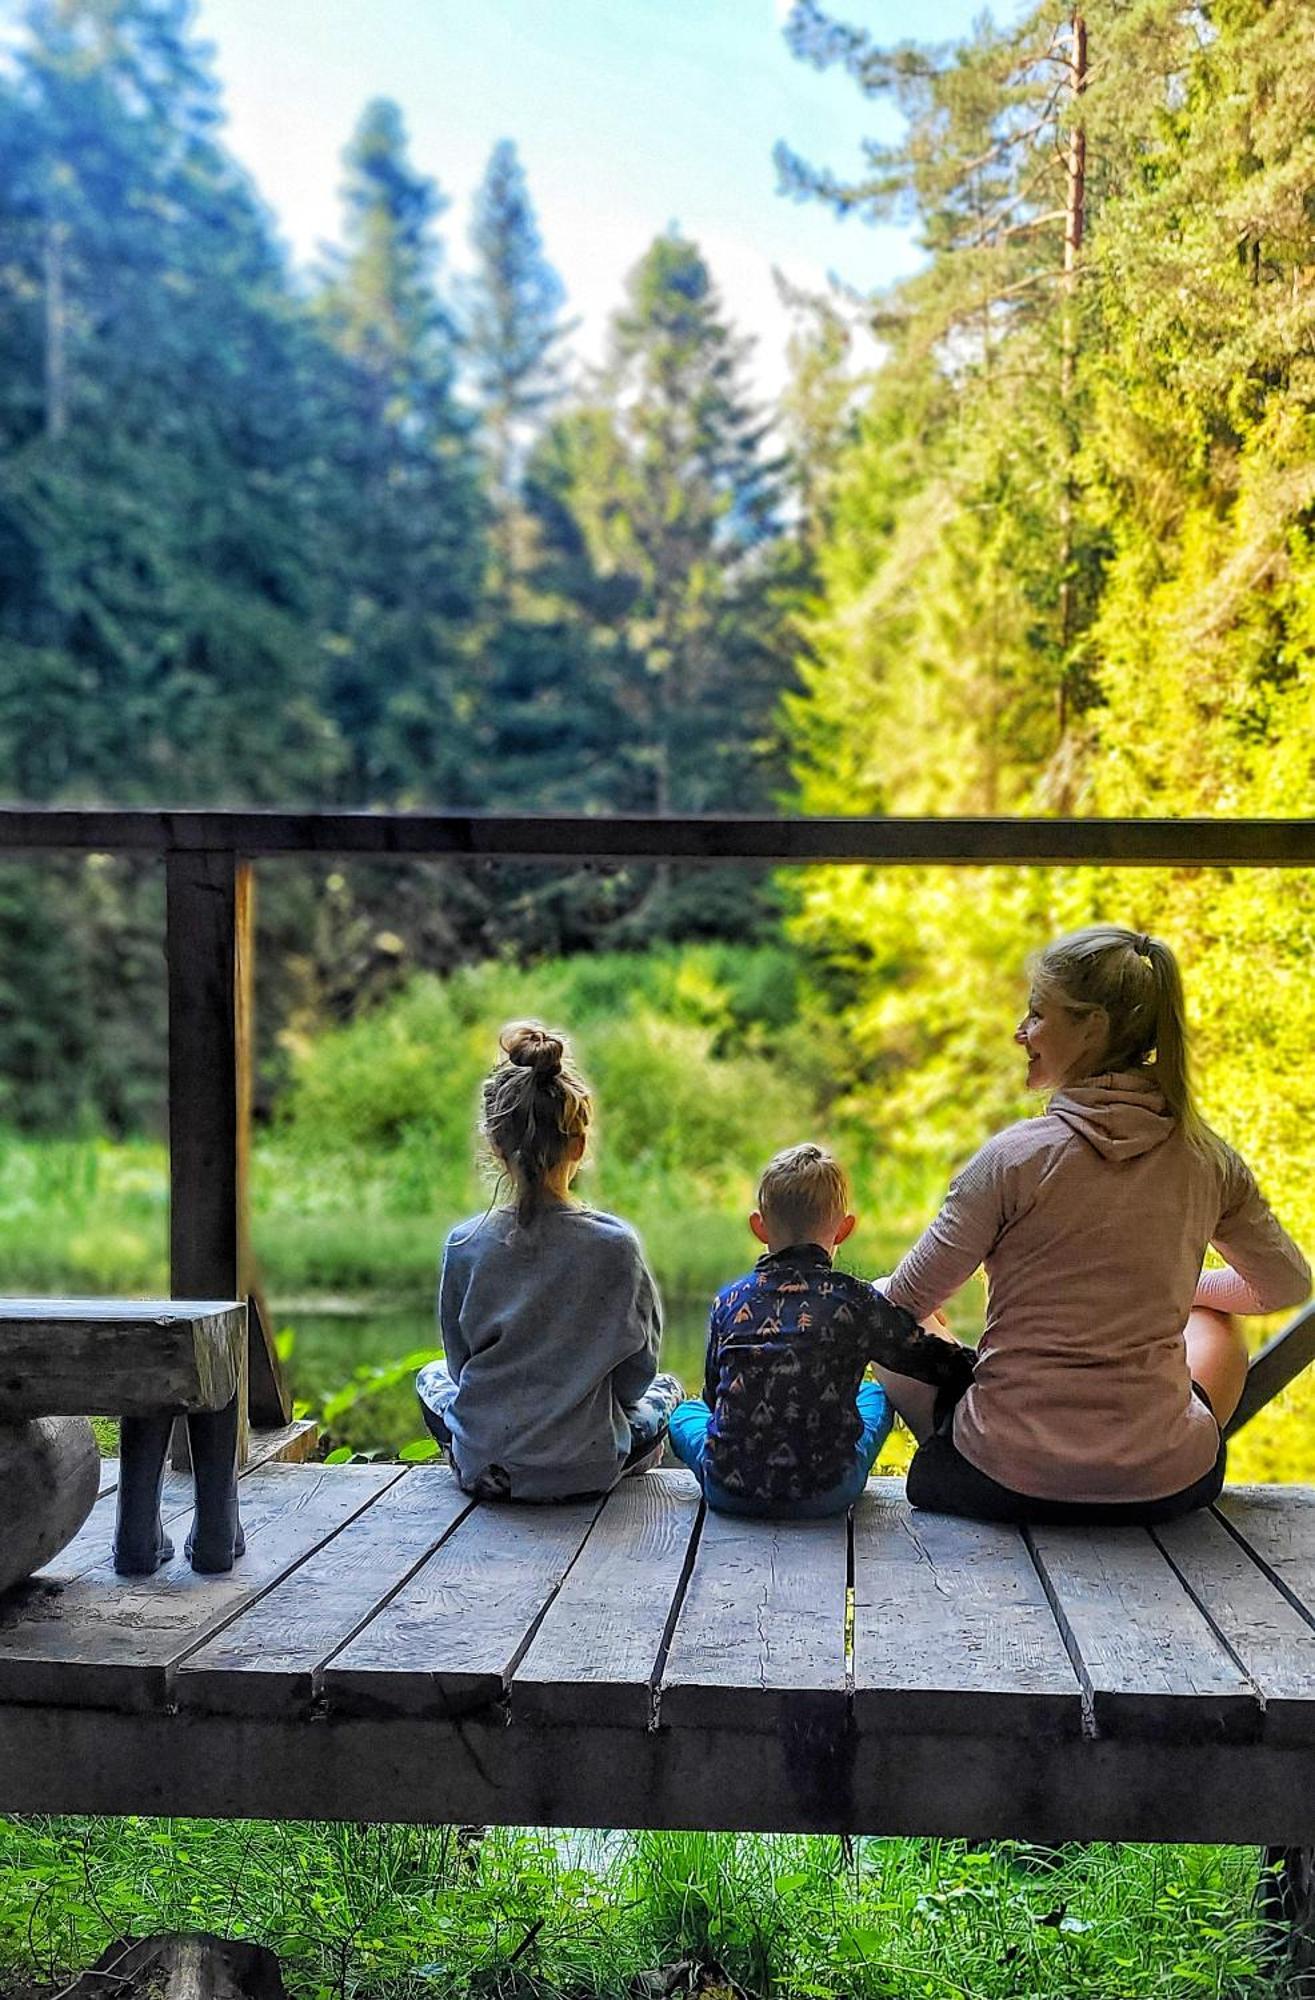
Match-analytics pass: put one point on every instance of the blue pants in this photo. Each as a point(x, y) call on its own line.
point(687, 1437)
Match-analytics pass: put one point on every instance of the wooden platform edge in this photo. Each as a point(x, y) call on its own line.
point(482, 1772)
point(289, 1444)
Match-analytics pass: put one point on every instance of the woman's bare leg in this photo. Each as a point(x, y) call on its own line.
point(1217, 1356)
point(913, 1400)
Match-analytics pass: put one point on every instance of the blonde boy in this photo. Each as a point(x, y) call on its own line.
point(786, 1426)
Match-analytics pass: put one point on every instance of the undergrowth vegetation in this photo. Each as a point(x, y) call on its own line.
point(395, 1913)
point(704, 1059)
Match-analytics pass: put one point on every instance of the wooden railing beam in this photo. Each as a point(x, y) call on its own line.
point(693, 841)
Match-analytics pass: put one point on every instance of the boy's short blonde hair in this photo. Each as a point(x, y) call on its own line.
point(803, 1190)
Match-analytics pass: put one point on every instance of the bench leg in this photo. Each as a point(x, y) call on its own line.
point(216, 1538)
point(1287, 1904)
point(140, 1543)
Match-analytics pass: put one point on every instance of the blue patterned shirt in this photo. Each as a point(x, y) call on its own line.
point(787, 1349)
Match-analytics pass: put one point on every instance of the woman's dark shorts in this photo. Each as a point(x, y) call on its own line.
point(942, 1481)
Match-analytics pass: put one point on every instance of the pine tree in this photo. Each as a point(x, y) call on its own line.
point(408, 515)
point(514, 329)
point(676, 496)
point(150, 455)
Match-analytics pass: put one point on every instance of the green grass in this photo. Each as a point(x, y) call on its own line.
point(396, 1912)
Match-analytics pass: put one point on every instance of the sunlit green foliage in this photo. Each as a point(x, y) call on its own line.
point(1172, 539)
point(399, 1912)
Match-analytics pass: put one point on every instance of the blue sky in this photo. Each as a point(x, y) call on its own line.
point(629, 114)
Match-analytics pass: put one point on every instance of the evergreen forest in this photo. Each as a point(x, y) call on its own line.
point(364, 535)
point(1030, 532)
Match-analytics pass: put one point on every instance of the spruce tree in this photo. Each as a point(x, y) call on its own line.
point(150, 456)
point(674, 492)
point(514, 329)
point(406, 514)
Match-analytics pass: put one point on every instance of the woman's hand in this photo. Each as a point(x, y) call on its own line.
point(935, 1322)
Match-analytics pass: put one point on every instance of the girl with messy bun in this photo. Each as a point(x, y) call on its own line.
point(548, 1387)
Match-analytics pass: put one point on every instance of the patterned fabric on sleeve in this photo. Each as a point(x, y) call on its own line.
point(787, 1348)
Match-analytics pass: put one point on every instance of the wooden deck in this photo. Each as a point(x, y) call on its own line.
point(386, 1650)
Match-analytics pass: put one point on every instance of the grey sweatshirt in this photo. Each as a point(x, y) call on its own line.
point(551, 1333)
point(1092, 1220)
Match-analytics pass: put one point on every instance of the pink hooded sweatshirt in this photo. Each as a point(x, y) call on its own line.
point(1092, 1221)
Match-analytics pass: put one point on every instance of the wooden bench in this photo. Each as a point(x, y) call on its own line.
point(147, 1362)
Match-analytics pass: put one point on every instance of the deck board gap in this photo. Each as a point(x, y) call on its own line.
point(1090, 1728)
point(527, 1639)
point(245, 1604)
point(1266, 1569)
point(851, 1608)
point(382, 1603)
point(673, 1614)
point(1212, 1622)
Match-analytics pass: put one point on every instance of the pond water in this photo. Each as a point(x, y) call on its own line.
point(330, 1346)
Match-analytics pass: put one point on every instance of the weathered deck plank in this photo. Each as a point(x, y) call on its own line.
point(1143, 1649)
point(1272, 1640)
point(952, 1629)
point(760, 1635)
point(1277, 1524)
point(449, 1641)
point(218, 1695)
point(288, 1445)
point(110, 1642)
point(595, 1656)
point(268, 1660)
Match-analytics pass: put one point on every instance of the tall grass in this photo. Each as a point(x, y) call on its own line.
point(399, 1912)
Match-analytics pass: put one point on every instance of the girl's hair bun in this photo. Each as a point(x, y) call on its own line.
point(532, 1046)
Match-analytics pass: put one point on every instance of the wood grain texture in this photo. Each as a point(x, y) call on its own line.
point(1273, 1642)
point(111, 1642)
point(952, 1628)
point(118, 1357)
point(1143, 1649)
point(268, 1661)
point(762, 1626)
point(482, 1772)
point(450, 1640)
point(595, 1656)
point(49, 1474)
point(1193, 842)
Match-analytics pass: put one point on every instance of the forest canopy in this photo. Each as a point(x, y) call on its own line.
point(366, 536)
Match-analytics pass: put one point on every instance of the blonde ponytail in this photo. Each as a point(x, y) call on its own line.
point(1135, 980)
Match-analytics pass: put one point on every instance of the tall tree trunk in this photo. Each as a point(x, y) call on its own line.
point(1075, 208)
point(56, 301)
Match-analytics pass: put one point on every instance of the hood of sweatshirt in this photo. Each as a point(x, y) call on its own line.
point(1122, 1115)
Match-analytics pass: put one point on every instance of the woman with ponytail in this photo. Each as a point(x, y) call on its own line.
point(1110, 1362)
point(548, 1388)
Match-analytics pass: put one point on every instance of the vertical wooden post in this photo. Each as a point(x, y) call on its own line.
point(270, 1404)
point(205, 1107)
